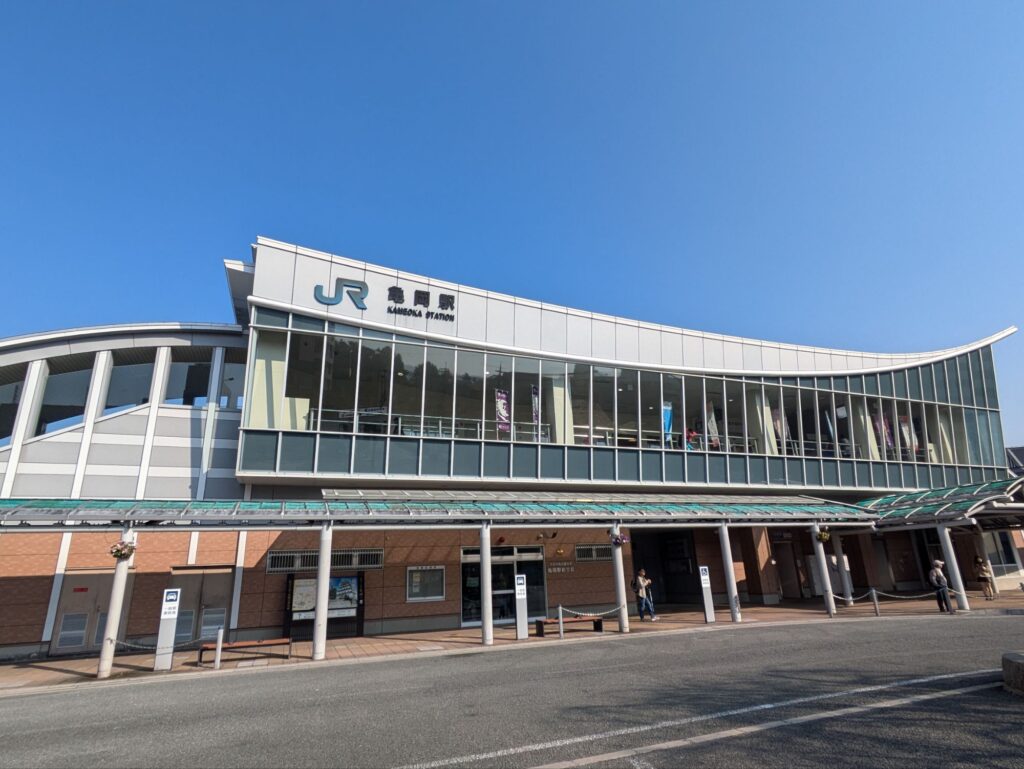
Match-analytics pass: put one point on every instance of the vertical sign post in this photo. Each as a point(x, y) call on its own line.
point(522, 614)
point(168, 623)
point(705, 586)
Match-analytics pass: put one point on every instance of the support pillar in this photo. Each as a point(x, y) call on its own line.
point(323, 586)
point(956, 581)
point(114, 611)
point(730, 574)
point(844, 573)
point(486, 609)
point(619, 575)
point(826, 582)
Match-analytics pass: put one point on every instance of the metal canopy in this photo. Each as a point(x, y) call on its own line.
point(400, 509)
point(984, 504)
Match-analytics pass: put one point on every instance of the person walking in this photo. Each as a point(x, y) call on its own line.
point(938, 580)
point(644, 602)
point(985, 577)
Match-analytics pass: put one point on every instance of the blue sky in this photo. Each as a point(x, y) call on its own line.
point(845, 175)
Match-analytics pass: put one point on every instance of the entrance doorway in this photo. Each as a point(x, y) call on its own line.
point(669, 559)
point(506, 562)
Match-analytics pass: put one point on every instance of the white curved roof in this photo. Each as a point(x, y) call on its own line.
point(286, 276)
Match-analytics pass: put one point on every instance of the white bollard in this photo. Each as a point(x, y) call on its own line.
point(561, 629)
point(220, 648)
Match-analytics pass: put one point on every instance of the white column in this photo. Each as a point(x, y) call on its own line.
point(236, 587)
point(114, 611)
point(844, 573)
point(619, 575)
point(157, 388)
point(323, 585)
point(486, 610)
point(212, 403)
point(58, 584)
point(25, 420)
point(730, 574)
point(955, 580)
point(826, 582)
point(94, 403)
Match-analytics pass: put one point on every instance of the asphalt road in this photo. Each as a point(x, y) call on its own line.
point(786, 696)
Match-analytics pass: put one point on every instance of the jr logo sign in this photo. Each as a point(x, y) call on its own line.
point(356, 290)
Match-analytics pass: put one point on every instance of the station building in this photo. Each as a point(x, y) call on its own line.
point(415, 431)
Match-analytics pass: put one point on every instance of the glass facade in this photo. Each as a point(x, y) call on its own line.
point(407, 405)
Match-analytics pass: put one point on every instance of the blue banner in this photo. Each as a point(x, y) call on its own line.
point(666, 417)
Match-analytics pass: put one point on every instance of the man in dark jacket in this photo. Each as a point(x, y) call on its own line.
point(938, 580)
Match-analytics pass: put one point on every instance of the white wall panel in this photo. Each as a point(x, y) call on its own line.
point(650, 346)
point(310, 273)
point(671, 348)
point(409, 288)
point(752, 357)
point(714, 353)
point(553, 330)
point(527, 326)
point(733, 354)
point(603, 339)
point(275, 271)
point(471, 317)
point(805, 360)
point(788, 360)
point(627, 343)
point(578, 335)
point(501, 320)
point(693, 351)
point(376, 301)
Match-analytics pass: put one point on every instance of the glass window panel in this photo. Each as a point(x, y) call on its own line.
point(899, 379)
point(302, 383)
point(791, 421)
point(212, 621)
point(885, 384)
point(714, 395)
point(628, 406)
point(887, 425)
point(826, 424)
point(985, 437)
point(977, 377)
point(266, 317)
point(775, 431)
point(439, 392)
point(498, 400)
point(758, 418)
point(966, 390)
point(809, 423)
point(941, 390)
point(65, 393)
point(920, 425)
point(526, 400)
point(960, 436)
point(998, 449)
point(927, 384)
point(374, 384)
point(694, 395)
point(469, 395)
point(735, 428)
point(973, 442)
point(130, 380)
point(555, 409)
point(871, 384)
point(266, 379)
point(940, 442)
point(914, 383)
point(844, 426)
point(857, 384)
point(651, 411)
point(183, 627)
point(989, 374)
point(339, 399)
point(188, 376)
point(905, 435)
point(12, 382)
point(579, 396)
point(305, 323)
point(672, 411)
point(953, 379)
point(232, 379)
point(407, 390)
point(604, 406)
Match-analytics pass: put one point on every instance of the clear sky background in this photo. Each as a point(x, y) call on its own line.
point(846, 175)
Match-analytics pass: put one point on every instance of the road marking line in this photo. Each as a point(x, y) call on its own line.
point(689, 720)
point(745, 730)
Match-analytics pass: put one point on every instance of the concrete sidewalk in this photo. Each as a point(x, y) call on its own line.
point(19, 676)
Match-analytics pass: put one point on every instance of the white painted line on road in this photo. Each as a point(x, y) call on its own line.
point(742, 731)
point(690, 720)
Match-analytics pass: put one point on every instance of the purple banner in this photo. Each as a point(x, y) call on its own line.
point(502, 412)
point(536, 404)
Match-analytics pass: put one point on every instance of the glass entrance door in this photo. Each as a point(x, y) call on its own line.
point(505, 564)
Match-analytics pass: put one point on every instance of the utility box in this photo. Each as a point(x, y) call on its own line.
point(522, 613)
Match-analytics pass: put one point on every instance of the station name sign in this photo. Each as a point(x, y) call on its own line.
point(421, 306)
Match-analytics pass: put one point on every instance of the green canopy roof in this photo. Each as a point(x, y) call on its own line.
point(944, 505)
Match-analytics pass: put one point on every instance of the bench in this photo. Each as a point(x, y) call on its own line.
point(230, 645)
point(597, 622)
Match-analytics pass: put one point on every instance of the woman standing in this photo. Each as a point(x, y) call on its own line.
point(985, 577)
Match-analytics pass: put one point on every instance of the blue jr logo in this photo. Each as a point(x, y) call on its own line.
point(356, 290)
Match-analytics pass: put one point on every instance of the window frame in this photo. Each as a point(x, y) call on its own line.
point(410, 570)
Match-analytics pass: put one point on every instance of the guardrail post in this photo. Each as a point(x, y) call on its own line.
point(220, 648)
point(874, 600)
point(561, 628)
